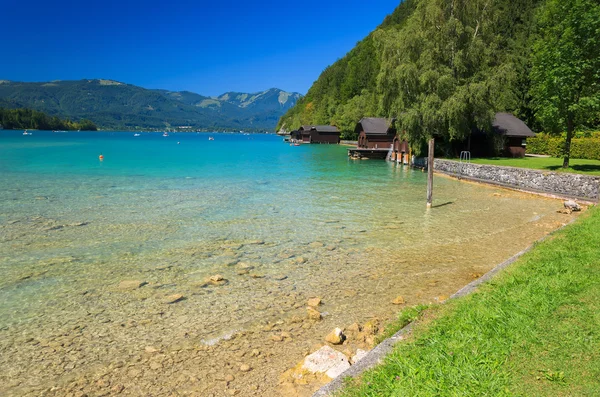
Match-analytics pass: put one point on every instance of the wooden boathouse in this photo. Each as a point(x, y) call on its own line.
point(515, 133)
point(378, 139)
point(324, 134)
point(375, 133)
point(508, 137)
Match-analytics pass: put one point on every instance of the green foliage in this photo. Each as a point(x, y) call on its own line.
point(348, 88)
point(21, 119)
point(581, 148)
point(442, 68)
point(566, 67)
point(114, 105)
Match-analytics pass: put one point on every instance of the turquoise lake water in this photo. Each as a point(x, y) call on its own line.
point(280, 223)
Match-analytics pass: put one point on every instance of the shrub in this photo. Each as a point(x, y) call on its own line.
point(581, 148)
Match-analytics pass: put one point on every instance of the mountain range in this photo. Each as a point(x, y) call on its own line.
point(115, 105)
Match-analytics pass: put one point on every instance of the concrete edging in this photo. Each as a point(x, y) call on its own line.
point(376, 356)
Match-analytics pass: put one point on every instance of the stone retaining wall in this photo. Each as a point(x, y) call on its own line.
point(583, 187)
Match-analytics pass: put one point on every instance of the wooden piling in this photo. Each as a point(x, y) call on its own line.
point(430, 173)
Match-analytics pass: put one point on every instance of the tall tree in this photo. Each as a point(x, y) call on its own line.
point(565, 74)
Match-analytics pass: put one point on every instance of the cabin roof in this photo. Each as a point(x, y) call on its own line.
point(320, 128)
point(508, 125)
point(374, 126)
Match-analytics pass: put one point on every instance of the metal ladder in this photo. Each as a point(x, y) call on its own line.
point(465, 158)
point(390, 154)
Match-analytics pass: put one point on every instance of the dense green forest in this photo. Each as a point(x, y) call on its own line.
point(444, 68)
point(22, 119)
point(115, 105)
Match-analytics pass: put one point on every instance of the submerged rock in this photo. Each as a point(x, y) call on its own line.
point(314, 302)
point(174, 299)
point(313, 314)
point(131, 284)
point(328, 361)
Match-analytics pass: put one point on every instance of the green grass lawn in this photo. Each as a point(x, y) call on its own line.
point(532, 331)
point(591, 167)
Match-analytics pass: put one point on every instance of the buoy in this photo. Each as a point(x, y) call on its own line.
point(101, 157)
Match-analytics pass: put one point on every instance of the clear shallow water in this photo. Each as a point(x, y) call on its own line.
point(280, 223)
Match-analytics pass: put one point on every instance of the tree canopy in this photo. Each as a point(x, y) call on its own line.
point(21, 119)
point(441, 67)
point(565, 74)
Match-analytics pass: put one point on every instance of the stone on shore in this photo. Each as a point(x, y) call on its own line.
point(399, 301)
point(336, 337)
point(371, 327)
point(313, 314)
point(328, 361)
point(245, 368)
point(129, 285)
point(572, 206)
point(360, 354)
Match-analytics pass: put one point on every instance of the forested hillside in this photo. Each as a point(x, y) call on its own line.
point(115, 105)
point(444, 68)
point(21, 119)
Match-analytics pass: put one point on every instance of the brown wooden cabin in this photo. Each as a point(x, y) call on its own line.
point(515, 133)
point(326, 134)
point(375, 133)
point(508, 138)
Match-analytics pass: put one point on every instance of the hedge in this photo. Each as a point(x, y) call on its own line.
point(581, 148)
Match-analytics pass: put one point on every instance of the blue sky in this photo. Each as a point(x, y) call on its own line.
point(208, 47)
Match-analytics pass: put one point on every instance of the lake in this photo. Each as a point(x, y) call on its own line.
point(106, 265)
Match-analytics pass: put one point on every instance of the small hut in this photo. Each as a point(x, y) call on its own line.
point(515, 133)
point(375, 133)
point(319, 134)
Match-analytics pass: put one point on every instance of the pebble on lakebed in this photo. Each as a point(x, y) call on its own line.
point(313, 314)
point(174, 299)
point(127, 285)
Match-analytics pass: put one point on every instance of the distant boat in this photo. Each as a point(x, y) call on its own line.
point(166, 134)
point(27, 133)
point(210, 138)
point(296, 144)
point(137, 134)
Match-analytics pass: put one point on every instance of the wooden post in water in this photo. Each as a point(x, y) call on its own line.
point(430, 173)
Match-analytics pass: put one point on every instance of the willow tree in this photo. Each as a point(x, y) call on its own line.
point(566, 67)
point(451, 67)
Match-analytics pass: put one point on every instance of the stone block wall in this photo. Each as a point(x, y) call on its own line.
point(584, 187)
